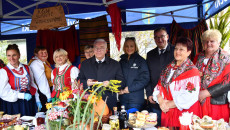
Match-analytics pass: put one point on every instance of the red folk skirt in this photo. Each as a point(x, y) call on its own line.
point(171, 118)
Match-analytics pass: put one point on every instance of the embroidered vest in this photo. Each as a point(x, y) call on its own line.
point(62, 80)
point(21, 84)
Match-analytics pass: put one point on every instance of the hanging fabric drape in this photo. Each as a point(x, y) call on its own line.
point(194, 34)
point(53, 40)
point(92, 29)
point(115, 14)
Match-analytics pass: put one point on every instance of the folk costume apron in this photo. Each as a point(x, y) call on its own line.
point(61, 82)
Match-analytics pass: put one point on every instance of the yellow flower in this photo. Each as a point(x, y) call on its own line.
point(48, 105)
point(63, 96)
point(94, 98)
point(91, 91)
point(115, 81)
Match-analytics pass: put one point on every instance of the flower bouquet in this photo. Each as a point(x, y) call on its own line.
point(83, 110)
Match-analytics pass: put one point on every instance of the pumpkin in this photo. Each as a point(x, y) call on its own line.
point(98, 107)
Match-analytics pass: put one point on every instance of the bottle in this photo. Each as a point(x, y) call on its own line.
point(115, 111)
point(123, 120)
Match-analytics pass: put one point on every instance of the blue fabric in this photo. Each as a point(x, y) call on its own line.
point(49, 100)
point(24, 107)
point(27, 96)
point(131, 105)
point(39, 105)
point(136, 74)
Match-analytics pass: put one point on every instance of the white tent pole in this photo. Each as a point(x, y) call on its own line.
point(10, 29)
point(24, 8)
point(77, 2)
point(15, 24)
point(158, 15)
point(17, 17)
point(168, 12)
point(11, 2)
point(210, 7)
point(162, 14)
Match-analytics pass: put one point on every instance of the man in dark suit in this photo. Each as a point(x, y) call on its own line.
point(157, 60)
point(101, 68)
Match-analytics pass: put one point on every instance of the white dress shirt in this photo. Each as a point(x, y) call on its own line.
point(38, 69)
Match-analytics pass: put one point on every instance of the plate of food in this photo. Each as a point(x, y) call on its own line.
point(27, 118)
point(207, 123)
point(96, 82)
point(142, 119)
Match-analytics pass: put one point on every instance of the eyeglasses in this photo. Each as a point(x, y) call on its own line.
point(161, 37)
point(101, 48)
point(88, 52)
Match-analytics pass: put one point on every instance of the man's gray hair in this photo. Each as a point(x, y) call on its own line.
point(100, 40)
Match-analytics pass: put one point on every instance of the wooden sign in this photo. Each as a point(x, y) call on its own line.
point(48, 18)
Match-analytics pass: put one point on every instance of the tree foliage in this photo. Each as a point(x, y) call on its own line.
point(221, 22)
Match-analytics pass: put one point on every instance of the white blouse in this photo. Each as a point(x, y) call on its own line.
point(37, 66)
point(10, 95)
point(182, 98)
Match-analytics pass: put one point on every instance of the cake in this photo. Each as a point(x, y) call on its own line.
point(207, 122)
point(140, 123)
point(151, 118)
point(145, 112)
point(141, 116)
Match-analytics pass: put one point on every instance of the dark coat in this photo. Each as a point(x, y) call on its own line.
point(156, 64)
point(136, 74)
point(108, 70)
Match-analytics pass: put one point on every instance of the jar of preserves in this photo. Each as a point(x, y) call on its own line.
point(114, 122)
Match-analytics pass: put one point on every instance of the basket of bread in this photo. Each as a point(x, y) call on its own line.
point(142, 119)
point(207, 123)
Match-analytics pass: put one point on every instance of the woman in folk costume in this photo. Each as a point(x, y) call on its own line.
point(18, 91)
point(42, 74)
point(178, 87)
point(63, 75)
point(1, 64)
point(214, 68)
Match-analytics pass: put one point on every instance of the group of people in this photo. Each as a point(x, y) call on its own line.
point(174, 84)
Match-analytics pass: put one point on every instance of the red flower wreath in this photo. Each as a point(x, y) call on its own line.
point(190, 87)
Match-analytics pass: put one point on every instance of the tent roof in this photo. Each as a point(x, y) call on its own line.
point(18, 9)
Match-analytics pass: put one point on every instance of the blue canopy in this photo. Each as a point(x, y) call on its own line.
point(15, 15)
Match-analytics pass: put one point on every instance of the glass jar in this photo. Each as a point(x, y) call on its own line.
point(106, 127)
point(114, 122)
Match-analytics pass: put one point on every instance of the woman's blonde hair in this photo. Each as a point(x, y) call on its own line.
point(132, 39)
point(212, 33)
point(61, 52)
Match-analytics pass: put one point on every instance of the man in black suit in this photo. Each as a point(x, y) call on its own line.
point(157, 60)
point(101, 68)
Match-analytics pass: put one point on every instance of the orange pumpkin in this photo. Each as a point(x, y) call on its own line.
point(98, 107)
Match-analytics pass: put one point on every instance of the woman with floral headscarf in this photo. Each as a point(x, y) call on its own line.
point(178, 87)
point(214, 68)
